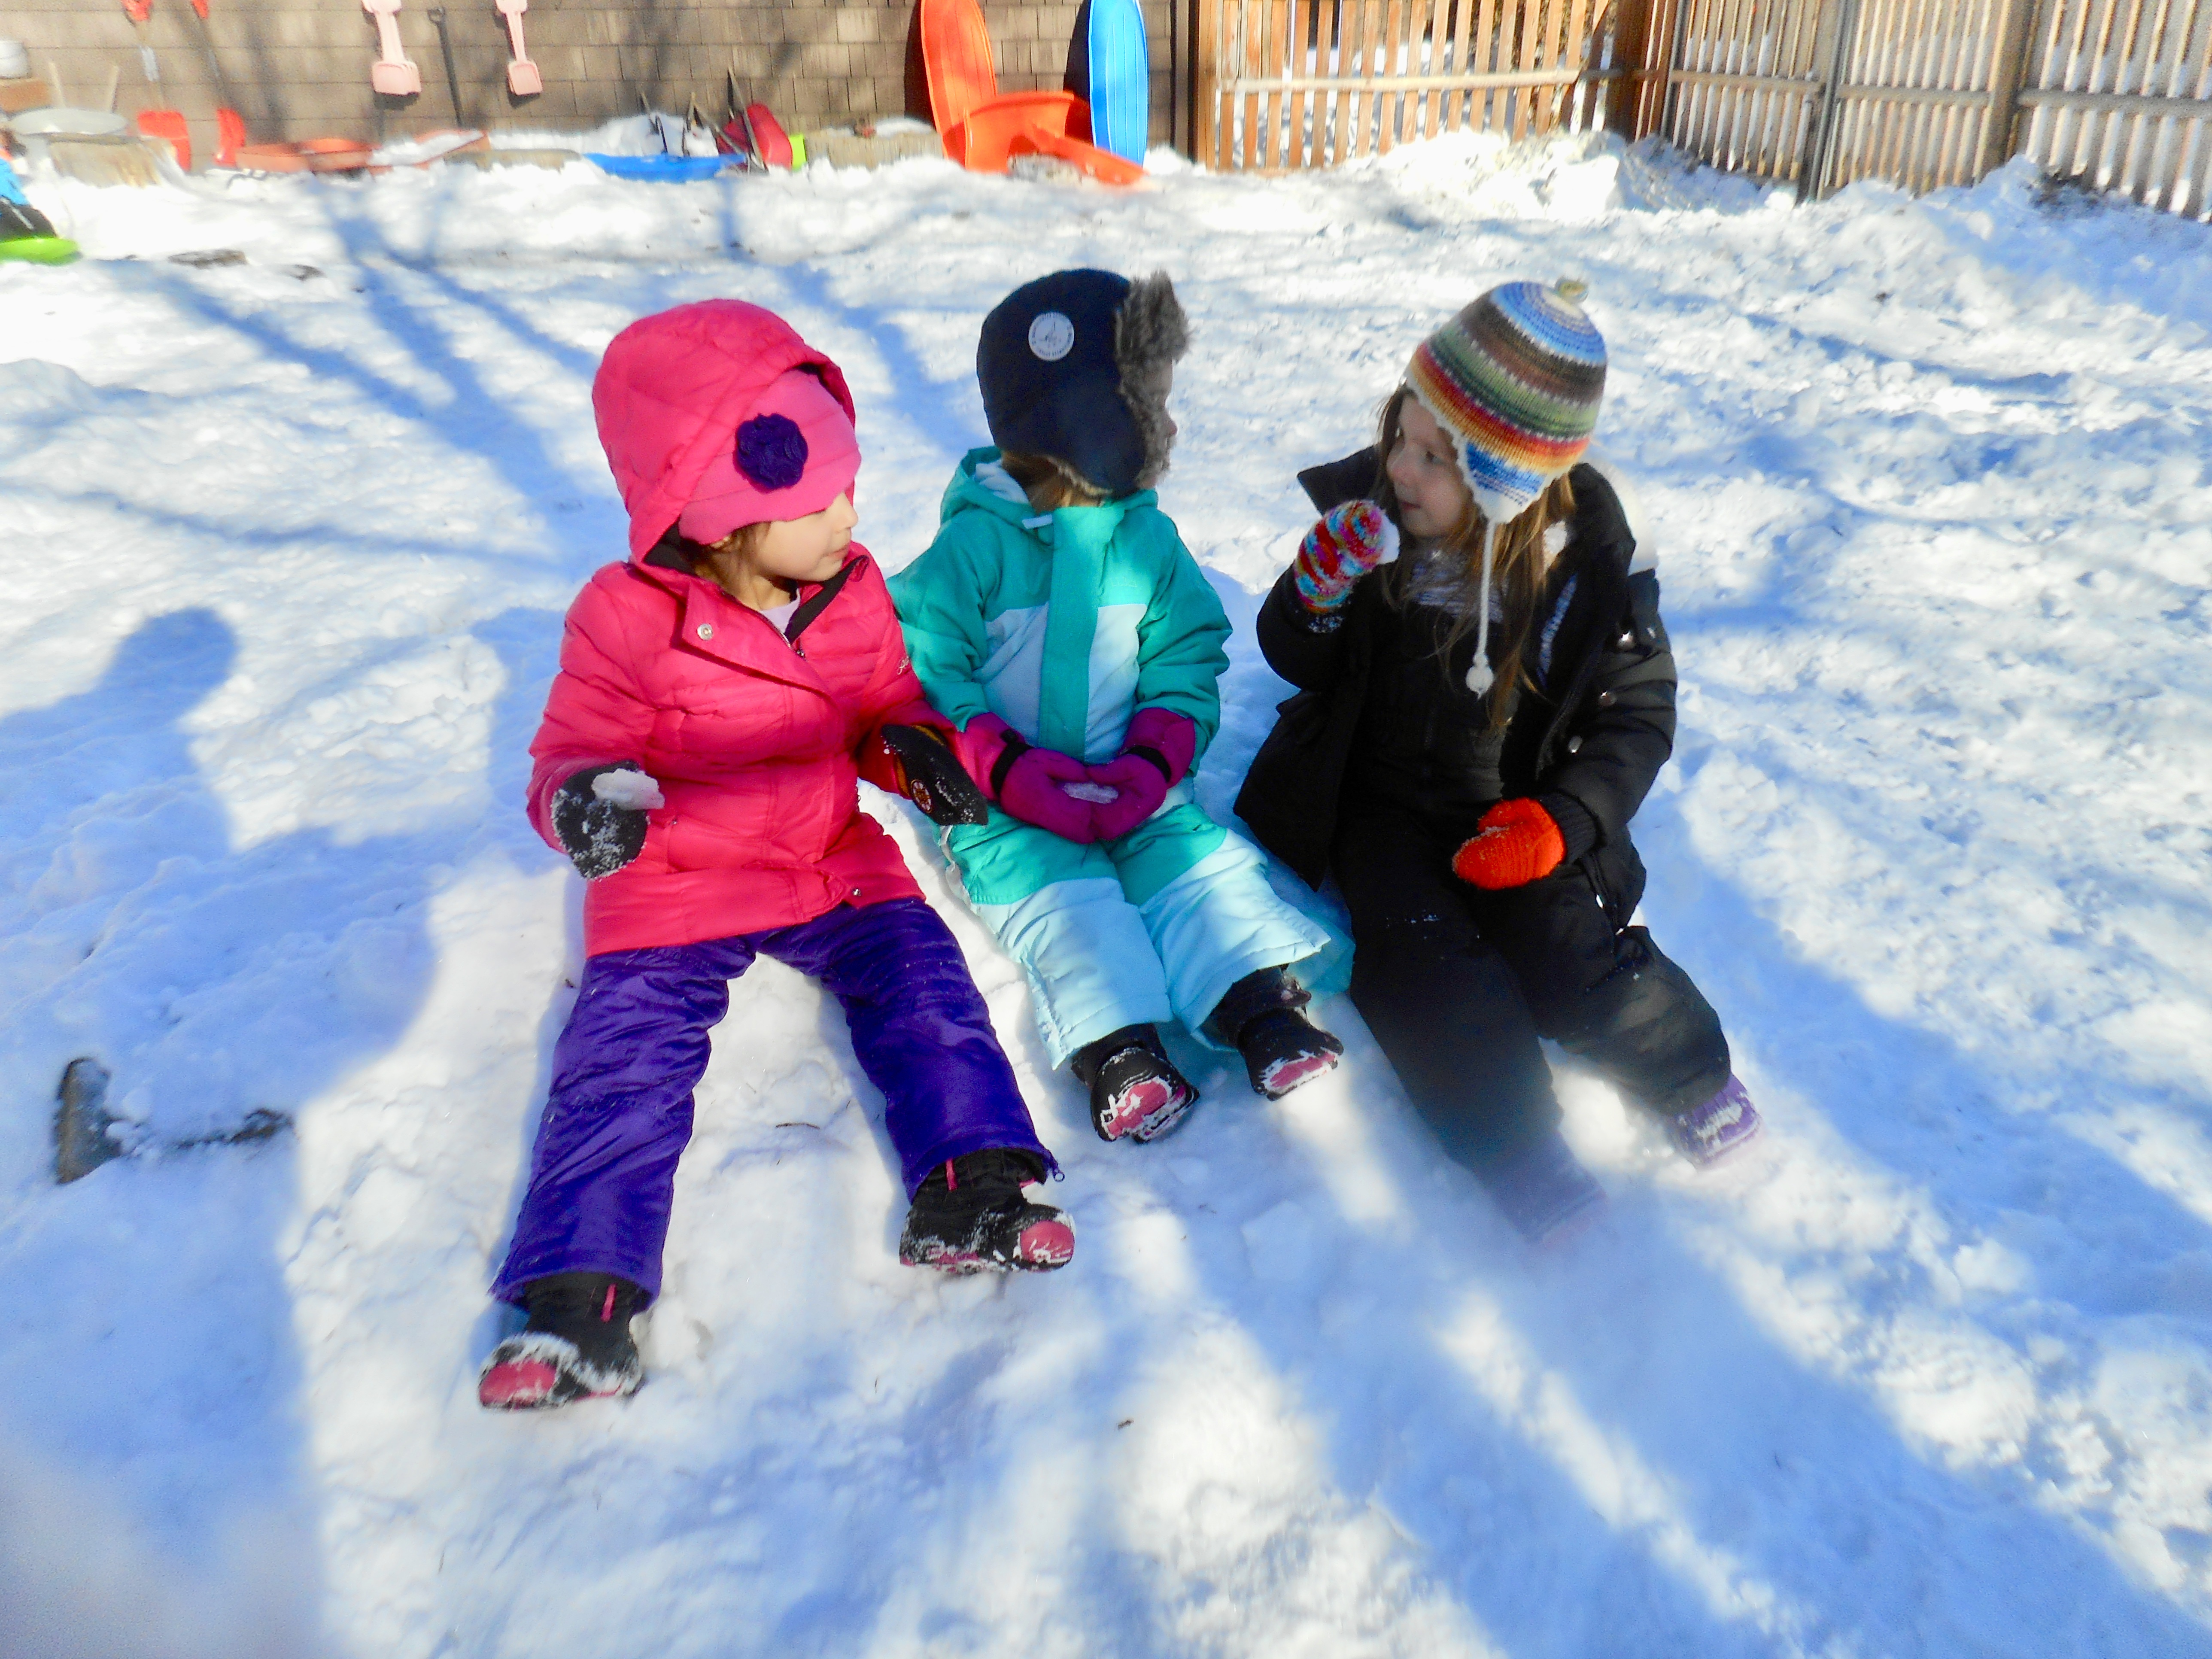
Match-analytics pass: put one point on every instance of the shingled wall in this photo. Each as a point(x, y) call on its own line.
point(297, 70)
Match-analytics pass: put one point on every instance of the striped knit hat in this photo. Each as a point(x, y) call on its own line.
point(1515, 378)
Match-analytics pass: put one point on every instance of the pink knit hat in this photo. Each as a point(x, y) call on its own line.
point(794, 454)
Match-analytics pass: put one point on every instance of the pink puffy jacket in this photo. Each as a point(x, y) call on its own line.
point(757, 745)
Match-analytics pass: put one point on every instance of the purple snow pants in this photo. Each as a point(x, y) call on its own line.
point(619, 1112)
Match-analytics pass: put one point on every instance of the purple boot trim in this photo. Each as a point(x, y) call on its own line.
point(1725, 1124)
point(1544, 1191)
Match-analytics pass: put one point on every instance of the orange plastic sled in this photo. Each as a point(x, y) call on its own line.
point(982, 139)
point(955, 58)
point(982, 129)
point(1105, 165)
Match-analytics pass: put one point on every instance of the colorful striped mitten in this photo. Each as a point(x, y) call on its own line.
point(1350, 541)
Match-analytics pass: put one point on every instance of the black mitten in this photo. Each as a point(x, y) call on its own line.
point(931, 777)
point(602, 835)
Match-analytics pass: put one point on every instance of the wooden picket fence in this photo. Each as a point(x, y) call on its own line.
point(1311, 83)
point(2116, 93)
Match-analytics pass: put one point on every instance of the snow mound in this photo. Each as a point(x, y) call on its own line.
point(1931, 1372)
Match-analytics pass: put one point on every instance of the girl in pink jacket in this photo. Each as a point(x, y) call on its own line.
point(720, 695)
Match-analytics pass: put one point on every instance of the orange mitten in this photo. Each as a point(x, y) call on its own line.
point(1519, 843)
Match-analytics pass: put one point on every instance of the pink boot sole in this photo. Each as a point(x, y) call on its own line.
point(1148, 1110)
point(520, 1385)
point(1280, 1079)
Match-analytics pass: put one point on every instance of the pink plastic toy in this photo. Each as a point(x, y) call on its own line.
point(523, 79)
point(393, 74)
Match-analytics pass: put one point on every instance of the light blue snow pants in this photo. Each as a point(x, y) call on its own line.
point(1154, 926)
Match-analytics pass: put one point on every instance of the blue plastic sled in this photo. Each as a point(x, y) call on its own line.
point(1112, 70)
point(669, 169)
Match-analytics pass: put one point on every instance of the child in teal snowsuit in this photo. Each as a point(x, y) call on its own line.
point(1059, 621)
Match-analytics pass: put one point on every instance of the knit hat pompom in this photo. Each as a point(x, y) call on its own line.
point(1516, 379)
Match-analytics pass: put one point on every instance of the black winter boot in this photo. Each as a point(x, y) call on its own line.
point(1135, 1090)
point(577, 1345)
point(972, 1216)
point(1263, 1016)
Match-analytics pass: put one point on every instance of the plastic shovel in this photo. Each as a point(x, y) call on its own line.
point(229, 124)
point(166, 124)
point(523, 79)
point(393, 74)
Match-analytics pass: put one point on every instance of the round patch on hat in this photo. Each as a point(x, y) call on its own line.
point(771, 451)
point(1052, 336)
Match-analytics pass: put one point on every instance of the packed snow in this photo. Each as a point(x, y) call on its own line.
point(1930, 1372)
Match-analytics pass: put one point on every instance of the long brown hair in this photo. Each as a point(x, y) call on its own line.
point(1518, 563)
point(1050, 484)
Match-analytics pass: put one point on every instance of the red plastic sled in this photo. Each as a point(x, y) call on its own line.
point(770, 142)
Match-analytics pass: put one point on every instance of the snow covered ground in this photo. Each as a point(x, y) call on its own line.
point(287, 546)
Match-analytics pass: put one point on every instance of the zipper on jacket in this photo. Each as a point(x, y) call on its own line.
point(815, 606)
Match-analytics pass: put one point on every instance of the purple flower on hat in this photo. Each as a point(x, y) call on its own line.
point(771, 451)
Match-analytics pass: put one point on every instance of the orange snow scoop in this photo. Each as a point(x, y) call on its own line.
point(393, 74)
point(165, 124)
point(229, 137)
point(523, 79)
point(168, 124)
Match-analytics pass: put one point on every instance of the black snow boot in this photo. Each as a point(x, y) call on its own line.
point(1135, 1090)
point(1263, 1016)
point(972, 1216)
point(577, 1345)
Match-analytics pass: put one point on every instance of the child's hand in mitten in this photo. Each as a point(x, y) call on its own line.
point(1155, 755)
point(1350, 541)
point(924, 769)
point(1029, 782)
point(600, 816)
point(1040, 788)
point(1520, 844)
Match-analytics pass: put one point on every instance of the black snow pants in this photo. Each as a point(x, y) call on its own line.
point(1458, 984)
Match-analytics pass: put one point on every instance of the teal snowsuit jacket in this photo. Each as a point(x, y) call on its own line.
point(1064, 625)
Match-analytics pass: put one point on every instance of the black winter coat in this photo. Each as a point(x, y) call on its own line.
point(1598, 733)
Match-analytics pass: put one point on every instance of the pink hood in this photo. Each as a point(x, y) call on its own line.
point(670, 394)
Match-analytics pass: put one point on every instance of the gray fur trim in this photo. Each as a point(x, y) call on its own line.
point(1150, 333)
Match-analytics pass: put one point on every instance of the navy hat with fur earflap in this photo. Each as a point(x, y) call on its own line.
point(1068, 367)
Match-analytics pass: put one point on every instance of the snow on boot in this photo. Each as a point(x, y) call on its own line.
point(1135, 1090)
point(1263, 1015)
point(972, 1216)
point(1544, 1191)
point(1723, 1125)
point(577, 1345)
point(1284, 1050)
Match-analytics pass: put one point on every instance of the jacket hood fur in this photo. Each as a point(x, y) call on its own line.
point(1150, 334)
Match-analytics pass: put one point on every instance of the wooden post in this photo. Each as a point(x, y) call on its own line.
point(1632, 42)
point(2015, 18)
point(1834, 55)
point(1206, 83)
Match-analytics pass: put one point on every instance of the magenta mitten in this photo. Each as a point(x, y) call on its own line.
point(1155, 755)
point(1033, 786)
point(1028, 781)
point(980, 746)
point(1350, 541)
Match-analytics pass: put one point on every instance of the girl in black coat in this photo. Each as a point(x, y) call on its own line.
point(1476, 723)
